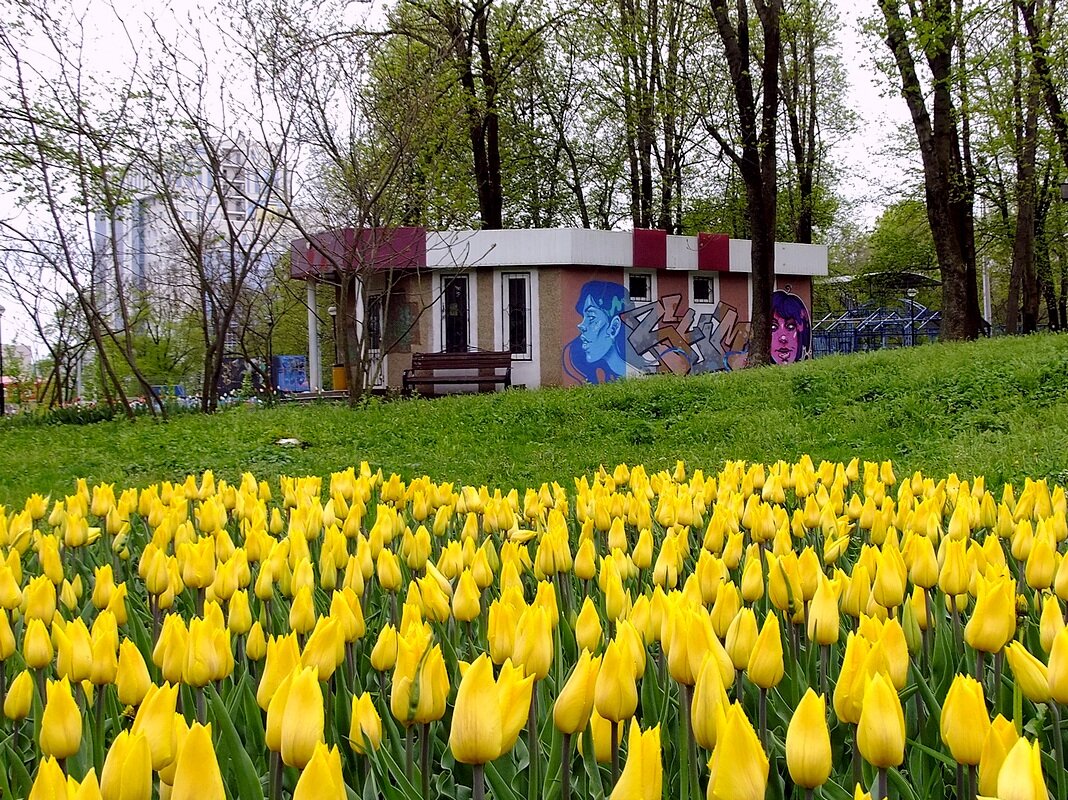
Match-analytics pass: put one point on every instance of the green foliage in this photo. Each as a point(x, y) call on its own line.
point(901, 241)
point(994, 407)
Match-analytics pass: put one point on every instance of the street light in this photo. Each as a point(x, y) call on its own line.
point(332, 311)
point(911, 294)
point(3, 408)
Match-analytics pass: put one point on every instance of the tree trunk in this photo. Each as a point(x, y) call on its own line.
point(947, 182)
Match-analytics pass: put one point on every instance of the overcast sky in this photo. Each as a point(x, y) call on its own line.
point(871, 179)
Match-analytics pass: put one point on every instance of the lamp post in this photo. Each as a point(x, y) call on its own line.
point(3, 407)
point(911, 294)
point(332, 311)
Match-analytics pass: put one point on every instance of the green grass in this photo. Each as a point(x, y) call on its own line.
point(997, 407)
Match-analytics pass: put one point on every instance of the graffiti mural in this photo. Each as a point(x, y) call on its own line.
point(791, 328)
point(616, 337)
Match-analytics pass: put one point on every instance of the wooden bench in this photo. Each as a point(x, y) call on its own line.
point(486, 370)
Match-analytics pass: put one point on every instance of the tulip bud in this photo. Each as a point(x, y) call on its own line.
point(196, 774)
point(1000, 738)
point(321, 779)
point(642, 777)
point(1030, 673)
point(588, 627)
point(476, 733)
point(738, 767)
point(1021, 773)
point(302, 719)
point(19, 697)
point(808, 742)
point(61, 723)
point(127, 772)
point(881, 729)
point(615, 691)
point(366, 726)
point(964, 722)
point(766, 667)
point(155, 720)
point(571, 711)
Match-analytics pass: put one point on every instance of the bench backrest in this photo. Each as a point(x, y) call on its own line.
point(478, 360)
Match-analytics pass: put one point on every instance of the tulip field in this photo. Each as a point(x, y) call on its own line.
point(785, 630)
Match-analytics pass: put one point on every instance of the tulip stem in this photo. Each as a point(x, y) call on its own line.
point(202, 706)
point(856, 757)
point(961, 786)
point(532, 733)
point(973, 781)
point(614, 732)
point(1058, 746)
point(980, 666)
point(825, 655)
point(810, 794)
point(424, 760)
point(409, 746)
point(98, 729)
point(565, 774)
point(478, 780)
point(764, 718)
point(881, 784)
point(275, 788)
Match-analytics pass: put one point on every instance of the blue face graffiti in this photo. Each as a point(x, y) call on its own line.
point(597, 354)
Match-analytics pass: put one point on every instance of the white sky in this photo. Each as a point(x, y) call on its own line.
point(870, 181)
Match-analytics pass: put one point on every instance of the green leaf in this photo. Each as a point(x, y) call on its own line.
point(248, 785)
point(502, 789)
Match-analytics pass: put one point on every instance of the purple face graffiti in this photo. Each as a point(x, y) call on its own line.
point(790, 328)
point(784, 340)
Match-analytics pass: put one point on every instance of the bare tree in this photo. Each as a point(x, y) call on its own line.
point(757, 107)
point(68, 143)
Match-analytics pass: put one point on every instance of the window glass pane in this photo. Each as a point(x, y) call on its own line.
point(702, 289)
point(517, 314)
point(456, 315)
point(640, 287)
point(374, 322)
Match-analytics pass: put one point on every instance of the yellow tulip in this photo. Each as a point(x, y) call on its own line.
point(50, 783)
point(849, 688)
point(283, 656)
point(466, 603)
point(533, 648)
point(388, 569)
point(574, 703)
point(1000, 737)
point(881, 729)
point(964, 722)
point(61, 723)
point(366, 726)
point(993, 621)
point(155, 720)
point(823, 616)
point(196, 774)
point(1031, 674)
point(127, 772)
point(1020, 777)
point(384, 653)
point(709, 703)
point(766, 667)
point(615, 692)
point(501, 630)
point(321, 778)
point(302, 611)
point(1057, 671)
point(601, 732)
point(588, 626)
point(303, 718)
point(476, 733)
point(19, 697)
point(36, 645)
point(642, 777)
point(808, 742)
point(325, 647)
point(741, 637)
point(514, 690)
point(738, 767)
point(1052, 620)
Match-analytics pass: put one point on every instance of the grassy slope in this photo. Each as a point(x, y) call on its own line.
point(998, 408)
